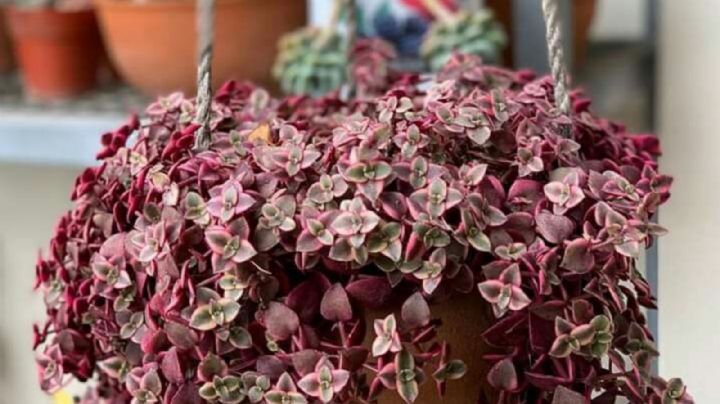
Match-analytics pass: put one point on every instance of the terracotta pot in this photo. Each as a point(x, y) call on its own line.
point(58, 51)
point(584, 11)
point(7, 63)
point(464, 318)
point(153, 44)
point(503, 13)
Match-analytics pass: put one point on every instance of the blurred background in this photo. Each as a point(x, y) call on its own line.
point(70, 71)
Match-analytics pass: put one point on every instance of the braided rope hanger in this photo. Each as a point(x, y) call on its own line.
point(203, 102)
point(556, 56)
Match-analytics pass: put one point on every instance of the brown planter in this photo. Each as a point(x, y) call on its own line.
point(464, 318)
point(58, 51)
point(7, 63)
point(153, 43)
point(584, 11)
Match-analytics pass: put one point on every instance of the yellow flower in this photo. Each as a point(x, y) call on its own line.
point(62, 397)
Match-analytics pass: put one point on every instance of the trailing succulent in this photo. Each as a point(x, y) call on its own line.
point(243, 273)
point(471, 33)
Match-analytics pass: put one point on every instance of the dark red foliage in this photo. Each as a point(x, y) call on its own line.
point(242, 273)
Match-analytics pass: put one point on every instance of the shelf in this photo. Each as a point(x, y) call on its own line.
point(65, 133)
point(52, 140)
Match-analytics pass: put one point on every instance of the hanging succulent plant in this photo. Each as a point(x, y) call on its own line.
point(470, 33)
point(243, 273)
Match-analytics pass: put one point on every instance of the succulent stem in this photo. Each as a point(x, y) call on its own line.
point(438, 10)
point(331, 27)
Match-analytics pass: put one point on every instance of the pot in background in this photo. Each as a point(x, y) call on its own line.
point(464, 319)
point(58, 51)
point(584, 13)
point(153, 44)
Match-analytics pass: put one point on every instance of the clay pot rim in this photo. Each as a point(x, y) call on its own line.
point(158, 5)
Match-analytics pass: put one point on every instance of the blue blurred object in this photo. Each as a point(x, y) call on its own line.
point(394, 22)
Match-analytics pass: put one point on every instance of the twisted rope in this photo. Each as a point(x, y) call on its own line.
point(203, 101)
point(556, 55)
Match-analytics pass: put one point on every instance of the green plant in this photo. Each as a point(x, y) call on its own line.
point(472, 33)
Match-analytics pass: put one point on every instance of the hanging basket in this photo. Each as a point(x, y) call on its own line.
point(473, 237)
point(464, 318)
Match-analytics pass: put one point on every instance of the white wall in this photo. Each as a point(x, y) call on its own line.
point(620, 20)
point(319, 11)
point(31, 200)
point(689, 266)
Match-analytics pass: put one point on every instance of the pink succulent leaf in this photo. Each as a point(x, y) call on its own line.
point(307, 242)
point(373, 292)
point(471, 233)
point(285, 392)
point(347, 224)
point(372, 189)
point(452, 370)
point(134, 328)
point(325, 382)
point(335, 305)
point(180, 335)
point(372, 171)
point(217, 238)
point(226, 389)
point(578, 256)
point(407, 376)
point(151, 382)
point(563, 326)
point(214, 314)
point(511, 275)
point(565, 194)
point(529, 159)
point(416, 311)
point(115, 367)
point(505, 292)
point(554, 228)
point(265, 239)
point(563, 395)
point(240, 252)
point(430, 284)
point(50, 369)
point(387, 338)
point(512, 251)
point(491, 290)
point(281, 321)
point(341, 251)
point(431, 271)
point(503, 376)
point(472, 175)
point(518, 299)
point(673, 391)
